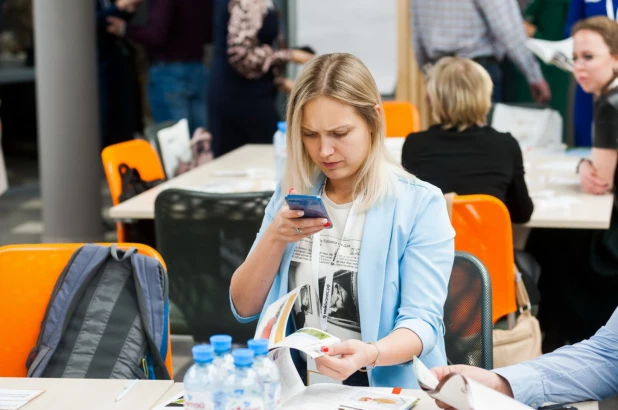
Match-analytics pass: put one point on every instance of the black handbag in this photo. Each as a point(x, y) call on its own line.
point(140, 230)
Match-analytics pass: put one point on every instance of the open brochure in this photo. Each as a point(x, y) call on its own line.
point(15, 399)
point(331, 397)
point(558, 53)
point(274, 322)
point(461, 392)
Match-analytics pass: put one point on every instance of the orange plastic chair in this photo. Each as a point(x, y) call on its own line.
point(137, 154)
point(28, 274)
point(401, 117)
point(483, 228)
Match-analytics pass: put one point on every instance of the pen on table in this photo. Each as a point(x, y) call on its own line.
point(126, 389)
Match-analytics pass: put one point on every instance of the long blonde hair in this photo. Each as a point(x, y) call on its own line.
point(345, 78)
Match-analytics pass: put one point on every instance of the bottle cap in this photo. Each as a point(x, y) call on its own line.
point(259, 346)
point(282, 126)
point(243, 357)
point(221, 343)
point(203, 353)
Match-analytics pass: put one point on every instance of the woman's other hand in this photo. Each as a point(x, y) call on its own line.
point(290, 226)
point(300, 56)
point(352, 355)
point(589, 180)
point(116, 26)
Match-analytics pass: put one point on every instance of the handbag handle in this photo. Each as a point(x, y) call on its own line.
point(523, 300)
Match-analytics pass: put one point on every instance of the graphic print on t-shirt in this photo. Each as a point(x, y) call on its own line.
point(342, 263)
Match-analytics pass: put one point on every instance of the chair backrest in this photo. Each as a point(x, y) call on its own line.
point(28, 274)
point(401, 117)
point(204, 237)
point(137, 154)
point(483, 228)
point(467, 314)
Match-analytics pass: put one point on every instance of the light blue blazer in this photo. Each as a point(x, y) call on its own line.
point(404, 266)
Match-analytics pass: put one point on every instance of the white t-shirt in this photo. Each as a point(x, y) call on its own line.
point(343, 318)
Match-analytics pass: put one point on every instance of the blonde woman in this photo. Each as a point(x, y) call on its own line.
point(389, 250)
point(461, 153)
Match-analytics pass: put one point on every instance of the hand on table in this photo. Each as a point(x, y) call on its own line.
point(589, 180)
point(353, 355)
point(286, 223)
point(489, 379)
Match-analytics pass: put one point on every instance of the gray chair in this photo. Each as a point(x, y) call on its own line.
point(203, 237)
point(467, 314)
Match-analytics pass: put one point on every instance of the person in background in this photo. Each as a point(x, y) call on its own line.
point(119, 90)
point(461, 153)
point(583, 108)
point(175, 37)
point(543, 19)
point(482, 30)
point(388, 231)
point(247, 69)
point(581, 372)
point(580, 267)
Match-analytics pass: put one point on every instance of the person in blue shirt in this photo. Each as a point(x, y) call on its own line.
point(584, 371)
point(378, 268)
point(583, 109)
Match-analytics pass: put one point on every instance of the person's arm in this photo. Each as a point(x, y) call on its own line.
point(248, 57)
point(584, 371)
point(424, 271)
point(506, 24)
point(253, 279)
point(518, 199)
point(597, 174)
point(419, 50)
point(153, 34)
point(577, 10)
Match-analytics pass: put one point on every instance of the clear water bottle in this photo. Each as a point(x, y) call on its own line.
point(279, 143)
point(224, 363)
point(267, 372)
point(223, 348)
point(200, 382)
point(243, 388)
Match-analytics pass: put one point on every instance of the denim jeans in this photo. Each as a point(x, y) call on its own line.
point(495, 72)
point(177, 91)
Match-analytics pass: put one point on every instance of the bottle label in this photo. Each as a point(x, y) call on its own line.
point(245, 403)
point(198, 401)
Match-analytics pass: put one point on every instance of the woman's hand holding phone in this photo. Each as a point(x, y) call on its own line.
point(290, 226)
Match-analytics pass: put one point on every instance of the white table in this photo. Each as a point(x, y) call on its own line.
point(553, 184)
point(425, 403)
point(79, 394)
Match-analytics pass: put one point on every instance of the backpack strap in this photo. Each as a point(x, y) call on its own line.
point(152, 298)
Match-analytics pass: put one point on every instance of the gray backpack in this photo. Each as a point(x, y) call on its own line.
point(107, 318)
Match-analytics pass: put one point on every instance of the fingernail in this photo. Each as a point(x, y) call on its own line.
point(327, 224)
point(290, 191)
point(300, 213)
point(325, 349)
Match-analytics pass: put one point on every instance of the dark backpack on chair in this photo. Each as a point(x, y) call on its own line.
point(107, 318)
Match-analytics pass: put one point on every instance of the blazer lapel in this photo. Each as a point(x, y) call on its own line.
point(372, 266)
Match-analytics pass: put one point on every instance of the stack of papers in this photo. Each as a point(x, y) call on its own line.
point(15, 399)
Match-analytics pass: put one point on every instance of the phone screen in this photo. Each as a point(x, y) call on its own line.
point(311, 205)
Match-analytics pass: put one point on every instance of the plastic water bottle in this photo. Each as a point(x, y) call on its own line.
point(279, 143)
point(224, 364)
point(201, 379)
point(267, 372)
point(223, 348)
point(243, 388)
